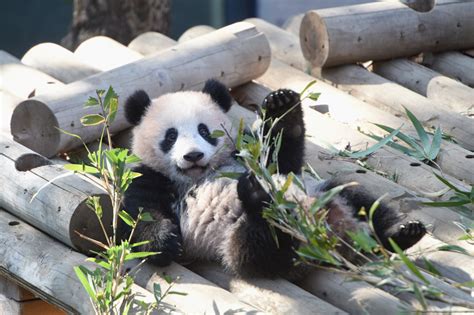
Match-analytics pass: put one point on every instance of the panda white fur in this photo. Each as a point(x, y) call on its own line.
point(201, 215)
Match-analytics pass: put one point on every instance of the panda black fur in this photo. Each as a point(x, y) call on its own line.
point(201, 215)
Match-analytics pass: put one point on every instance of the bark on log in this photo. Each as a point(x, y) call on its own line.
point(351, 34)
point(45, 266)
point(49, 197)
point(228, 50)
point(150, 42)
point(121, 20)
point(104, 53)
point(366, 86)
point(448, 92)
point(203, 296)
point(24, 81)
point(452, 64)
point(57, 62)
point(276, 296)
point(442, 219)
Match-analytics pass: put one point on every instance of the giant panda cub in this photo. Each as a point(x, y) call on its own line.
point(202, 215)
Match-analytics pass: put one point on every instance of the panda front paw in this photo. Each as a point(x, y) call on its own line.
point(280, 101)
point(251, 193)
point(169, 250)
point(408, 234)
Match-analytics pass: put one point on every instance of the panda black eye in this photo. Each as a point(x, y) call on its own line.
point(171, 135)
point(203, 130)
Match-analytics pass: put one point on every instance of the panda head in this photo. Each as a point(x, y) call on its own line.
point(172, 133)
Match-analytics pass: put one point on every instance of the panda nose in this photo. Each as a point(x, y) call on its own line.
point(193, 156)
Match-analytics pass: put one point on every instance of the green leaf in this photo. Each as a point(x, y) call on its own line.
point(109, 96)
point(140, 243)
point(92, 120)
point(157, 291)
point(167, 278)
point(425, 140)
point(92, 101)
point(469, 284)
point(146, 217)
point(445, 203)
point(405, 138)
point(132, 159)
point(217, 134)
point(177, 293)
point(127, 218)
point(435, 145)
point(420, 297)
point(375, 147)
point(287, 183)
point(408, 262)
point(81, 272)
point(232, 175)
point(430, 267)
point(447, 183)
point(113, 109)
point(139, 255)
point(453, 248)
point(82, 168)
point(310, 84)
point(314, 96)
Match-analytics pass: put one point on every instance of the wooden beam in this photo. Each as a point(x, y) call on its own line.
point(48, 196)
point(452, 64)
point(349, 34)
point(431, 84)
point(150, 42)
point(228, 50)
point(57, 62)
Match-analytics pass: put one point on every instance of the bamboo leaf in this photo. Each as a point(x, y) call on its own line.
point(375, 147)
point(110, 95)
point(92, 101)
point(405, 138)
point(82, 168)
point(157, 291)
point(81, 274)
point(146, 217)
point(425, 140)
point(453, 248)
point(139, 255)
point(92, 120)
point(435, 145)
point(411, 266)
point(314, 96)
point(217, 134)
point(127, 218)
point(420, 297)
point(310, 84)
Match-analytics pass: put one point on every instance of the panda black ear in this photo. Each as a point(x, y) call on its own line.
point(135, 106)
point(219, 94)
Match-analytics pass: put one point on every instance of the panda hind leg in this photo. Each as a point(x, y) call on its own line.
point(287, 103)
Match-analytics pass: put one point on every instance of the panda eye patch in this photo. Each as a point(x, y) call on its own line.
point(204, 132)
point(170, 138)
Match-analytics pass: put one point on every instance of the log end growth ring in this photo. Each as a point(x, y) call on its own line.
point(314, 39)
point(35, 126)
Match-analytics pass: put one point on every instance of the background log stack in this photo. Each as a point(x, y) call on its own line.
point(439, 92)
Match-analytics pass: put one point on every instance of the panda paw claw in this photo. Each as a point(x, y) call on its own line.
point(409, 234)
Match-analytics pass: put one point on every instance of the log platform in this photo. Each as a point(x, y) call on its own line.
point(45, 90)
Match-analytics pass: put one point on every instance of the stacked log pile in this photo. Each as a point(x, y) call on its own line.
point(42, 206)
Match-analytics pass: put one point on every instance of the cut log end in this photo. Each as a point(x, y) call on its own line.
point(314, 39)
point(35, 126)
point(83, 222)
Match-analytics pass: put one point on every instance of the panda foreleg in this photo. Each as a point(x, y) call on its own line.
point(287, 103)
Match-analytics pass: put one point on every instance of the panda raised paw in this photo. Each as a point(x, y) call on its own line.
point(279, 102)
point(408, 234)
point(251, 193)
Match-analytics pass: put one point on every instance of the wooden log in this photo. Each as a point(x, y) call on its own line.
point(452, 64)
point(366, 86)
point(8, 102)
point(441, 219)
point(452, 159)
point(354, 297)
point(359, 115)
point(228, 50)
point(448, 92)
point(203, 296)
point(45, 266)
point(58, 62)
point(9, 293)
point(349, 34)
point(276, 296)
point(194, 32)
point(150, 42)
point(469, 52)
point(417, 5)
point(49, 197)
point(104, 53)
point(23, 81)
point(453, 265)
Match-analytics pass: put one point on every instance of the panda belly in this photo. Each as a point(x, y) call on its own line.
point(209, 213)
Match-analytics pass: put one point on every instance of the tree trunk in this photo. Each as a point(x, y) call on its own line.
point(122, 20)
